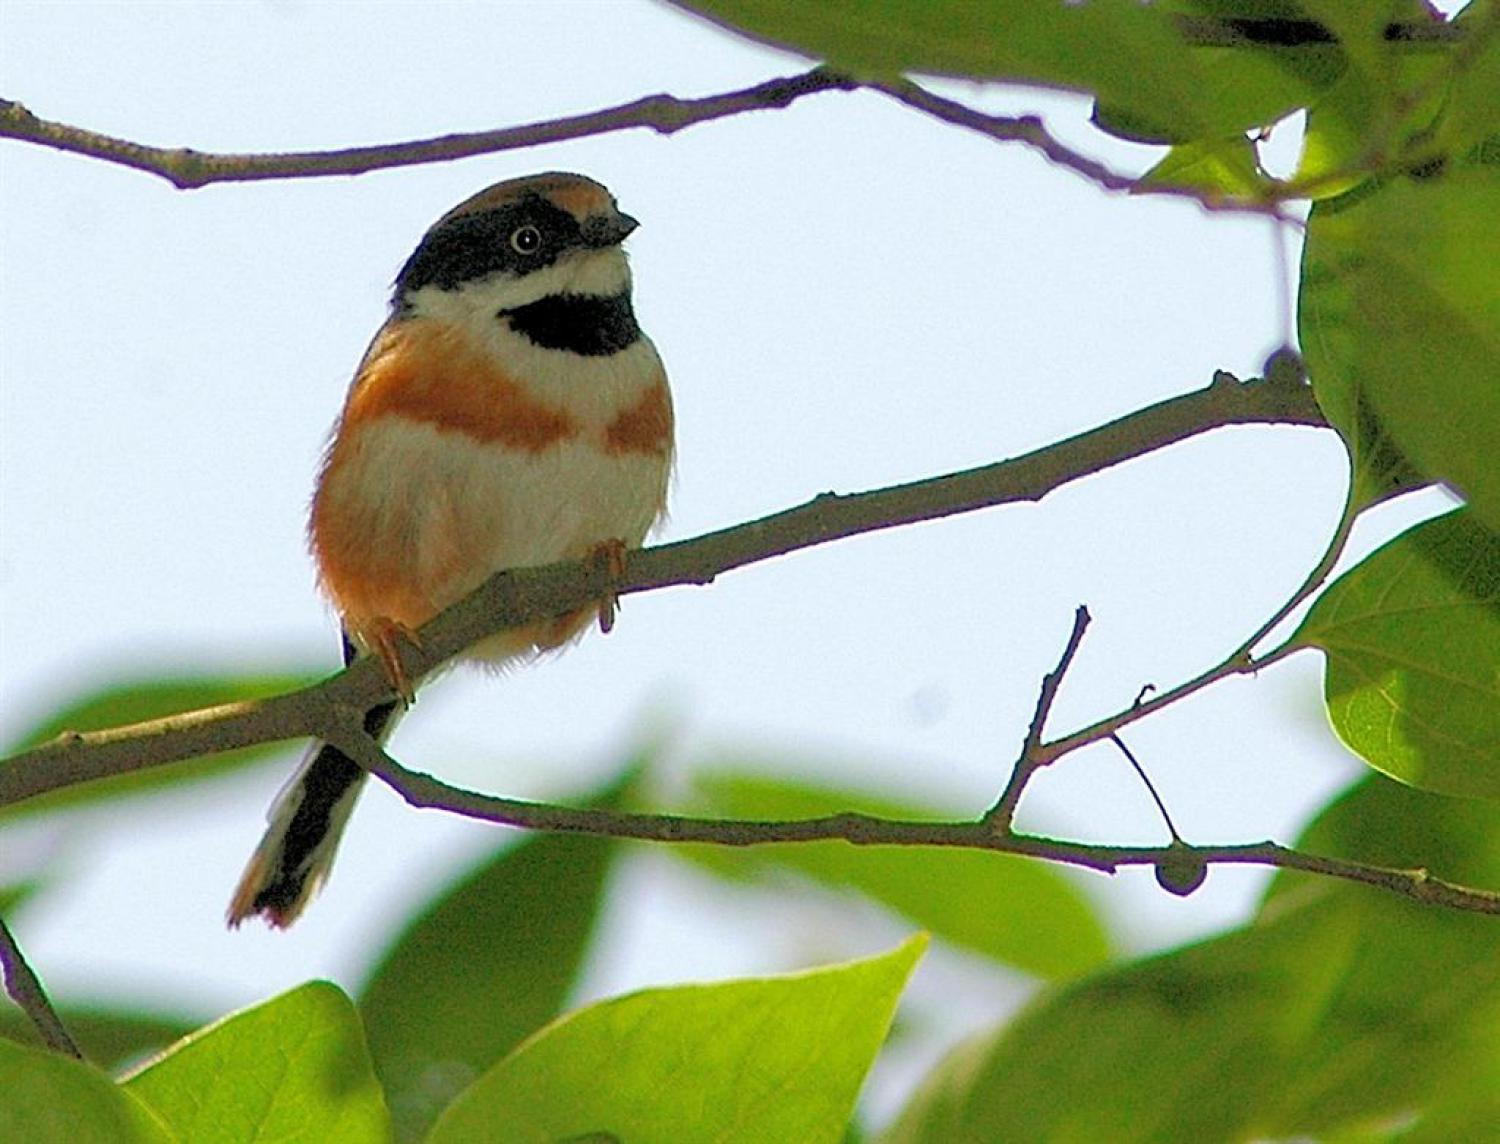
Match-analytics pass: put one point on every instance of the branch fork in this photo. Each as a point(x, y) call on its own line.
point(333, 709)
point(1001, 816)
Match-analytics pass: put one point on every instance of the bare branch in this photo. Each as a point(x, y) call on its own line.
point(186, 168)
point(1030, 130)
point(517, 596)
point(1241, 661)
point(424, 791)
point(25, 989)
point(1027, 129)
point(514, 597)
point(333, 709)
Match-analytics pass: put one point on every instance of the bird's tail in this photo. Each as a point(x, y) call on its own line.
point(306, 820)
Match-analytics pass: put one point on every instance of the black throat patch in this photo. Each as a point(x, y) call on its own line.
point(577, 323)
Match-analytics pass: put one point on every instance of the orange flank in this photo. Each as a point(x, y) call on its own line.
point(390, 552)
point(424, 371)
point(646, 427)
point(374, 586)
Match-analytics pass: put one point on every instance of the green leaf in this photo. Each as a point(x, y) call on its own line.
point(1447, 1066)
point(1336, 143)
point(1225, 168)
point(1468, 116)
point(1245, 78)
point(47, 1098)
point(1033, 918)
point(1176, 1048)
point(775, 1058)
point(1378, 469)
point(134, 702)
point(1176, 71)
point(1379, 112)
point(1129, 54)
point(1399, 318)
point(1341, 1012)
point(1412, 636)
point(1384, 823)
point(1359, 25)
point(13, 894)
point(108, 1038)
point(484, 966)
point(294, 1068)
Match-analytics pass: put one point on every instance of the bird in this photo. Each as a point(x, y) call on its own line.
point(509, 412)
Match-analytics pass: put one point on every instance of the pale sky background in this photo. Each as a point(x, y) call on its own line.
point(846, 294)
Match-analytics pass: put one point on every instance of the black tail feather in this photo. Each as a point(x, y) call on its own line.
point(298, 846)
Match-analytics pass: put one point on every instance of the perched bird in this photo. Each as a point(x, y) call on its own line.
point(509, 412)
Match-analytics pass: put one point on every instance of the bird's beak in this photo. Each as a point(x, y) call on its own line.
point(608, 230)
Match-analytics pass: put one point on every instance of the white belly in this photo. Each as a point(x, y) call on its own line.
point(504, 508)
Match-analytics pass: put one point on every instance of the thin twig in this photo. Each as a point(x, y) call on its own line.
point(515, 597)
point(186, 168)
point(1242, 660)
point(424, 791)
point(1030, 130)
point(1027, 129)
point(1052, 682)
point(25, 989)
point(1003, 813)
point(1149, 785)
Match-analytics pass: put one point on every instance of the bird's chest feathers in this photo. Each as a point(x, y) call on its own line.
point(452, 462)
point(494, 386)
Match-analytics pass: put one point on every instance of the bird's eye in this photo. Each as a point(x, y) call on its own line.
point(525, 239)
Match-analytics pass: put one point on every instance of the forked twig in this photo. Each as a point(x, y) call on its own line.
point(1003, 813)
